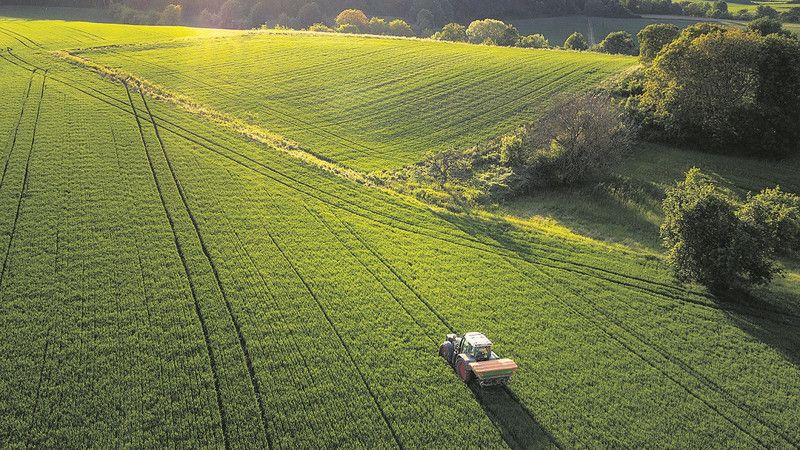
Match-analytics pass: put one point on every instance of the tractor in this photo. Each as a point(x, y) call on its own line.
point(472, 358)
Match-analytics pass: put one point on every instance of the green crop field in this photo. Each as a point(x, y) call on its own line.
point(365, 103)
point(169, 281)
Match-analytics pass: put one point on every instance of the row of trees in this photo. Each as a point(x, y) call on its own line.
point(495, 32)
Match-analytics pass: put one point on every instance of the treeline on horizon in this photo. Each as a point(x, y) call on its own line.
point(444, 11)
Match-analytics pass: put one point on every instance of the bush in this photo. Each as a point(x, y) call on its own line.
point(320, 28)
point(705, 240)
point(399, 27)
point(617, 42)
point(777, 214)
point(766, 11)
point(653, 38)
point(496, 31)
point(766, 26)
point(576, 41)
point(354, 17)
point(578, 138)
point(378, 25)
point(172, 15)
point(727, 91)
point(533, 41)
point(452, 32)
point(348, 28)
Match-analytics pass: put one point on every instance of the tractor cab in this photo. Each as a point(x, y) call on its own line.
point(477, 347)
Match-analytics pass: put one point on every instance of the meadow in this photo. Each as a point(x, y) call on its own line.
point(168, 281)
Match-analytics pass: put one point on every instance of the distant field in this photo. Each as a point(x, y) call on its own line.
point(557, 29)
point(168, 282)
point(362, 102)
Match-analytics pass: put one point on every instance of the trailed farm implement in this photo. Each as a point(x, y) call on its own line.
point(472, 358)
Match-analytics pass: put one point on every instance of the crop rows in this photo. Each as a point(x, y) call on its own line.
point(169, 282)
point(366, 103)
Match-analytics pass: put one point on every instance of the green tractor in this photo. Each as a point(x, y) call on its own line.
point(472, 358)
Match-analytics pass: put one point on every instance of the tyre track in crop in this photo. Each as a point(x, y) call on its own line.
point(510, 438)
point(627, 346)
point(683, 365)
point(338, 334)
point(371, 272)
point(267, 292)
point(13, 33)
point(25, 180)
point(179, 248)
point(507, 391)
point(210, 259)
point(16, 129)
point(658, 288)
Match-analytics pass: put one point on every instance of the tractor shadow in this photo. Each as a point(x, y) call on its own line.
point(518, 426)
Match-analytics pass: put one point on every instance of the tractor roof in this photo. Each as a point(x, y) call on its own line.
point(477, 339)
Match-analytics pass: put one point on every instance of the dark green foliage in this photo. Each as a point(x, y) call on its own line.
point(766, 26)
point(533, 41)
point(727, 91)
point(495, 30)
point(707, 242)
point(777, 214)
point(452, 32)
point(653, 38)
point(579, 138)
point(425, 20)
point(309, 14)
point(576, 41)
point(617, 42)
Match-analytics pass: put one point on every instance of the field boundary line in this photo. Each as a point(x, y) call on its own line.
point(187, 271)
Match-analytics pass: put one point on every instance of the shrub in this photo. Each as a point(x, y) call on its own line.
point(766, 11)
point(653, 38)
point(500, 33)
point(777, 214)
point(320, 28)
point(579, 137)
point(378, 25)
point(533, 41)
point(617, 42)
point(705, 240)
point(452, 32)
point(399, 27)
point(576, 41)
point(766, 26)
point(348, 28)
point(354, 17)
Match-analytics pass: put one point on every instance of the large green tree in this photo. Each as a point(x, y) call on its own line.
point(727, 90)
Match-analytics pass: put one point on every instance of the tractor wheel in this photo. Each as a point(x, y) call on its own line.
point(446, 351)
point(464, 371)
